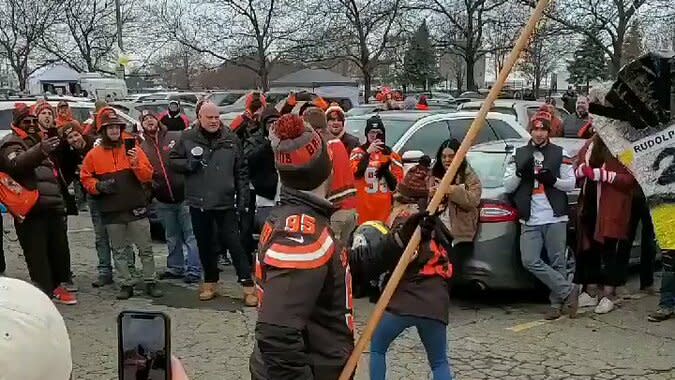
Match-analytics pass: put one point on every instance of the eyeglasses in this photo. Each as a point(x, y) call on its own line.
point(28, 121)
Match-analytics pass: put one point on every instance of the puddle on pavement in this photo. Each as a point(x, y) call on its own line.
point(182, 297)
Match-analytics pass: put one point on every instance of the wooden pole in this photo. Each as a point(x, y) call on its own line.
point(476, 126)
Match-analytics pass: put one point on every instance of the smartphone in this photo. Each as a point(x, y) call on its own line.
point(52, 132)
point(144, 345)
point(380, 136)
point(129, 144)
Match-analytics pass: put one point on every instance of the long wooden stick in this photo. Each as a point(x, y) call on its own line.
point(476, 126)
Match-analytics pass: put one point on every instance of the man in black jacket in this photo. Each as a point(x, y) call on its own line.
point(25, 156)
point(305, 326)
point(216, 189)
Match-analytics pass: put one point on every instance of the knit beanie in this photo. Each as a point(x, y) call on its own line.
point(147, 113)
point(415, 184)
point(316, 118)
point(335, 112)
point(21, 111)
point(300, 155)
point(541, 119)
point(42, 105)
point(70, 127)
point(375, 122)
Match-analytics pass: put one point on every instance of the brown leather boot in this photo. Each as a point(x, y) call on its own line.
point(250, 298)
point(207, 291)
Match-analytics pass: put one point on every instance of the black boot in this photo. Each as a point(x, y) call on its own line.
point(152, 290)
point(102, 281)
point(125, 293)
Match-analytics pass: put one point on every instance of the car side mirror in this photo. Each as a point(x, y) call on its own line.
point(412, 156)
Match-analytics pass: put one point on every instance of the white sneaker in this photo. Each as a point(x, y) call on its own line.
point(585, 300)
point(605, 306)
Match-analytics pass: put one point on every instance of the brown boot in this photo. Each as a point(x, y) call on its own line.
point(250, 298)
point(207, 291)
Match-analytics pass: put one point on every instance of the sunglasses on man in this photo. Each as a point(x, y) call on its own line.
point(29, 121)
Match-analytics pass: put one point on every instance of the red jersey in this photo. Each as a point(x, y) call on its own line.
point(374, 197)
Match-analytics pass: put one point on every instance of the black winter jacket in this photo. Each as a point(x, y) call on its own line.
point(217, 181)
point(23, 159)
point(260, 158)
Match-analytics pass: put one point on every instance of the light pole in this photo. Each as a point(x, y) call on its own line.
point(118, 16)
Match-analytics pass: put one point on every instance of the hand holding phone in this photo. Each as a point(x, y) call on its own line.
point(144, 346)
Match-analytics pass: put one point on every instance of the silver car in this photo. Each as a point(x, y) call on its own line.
point(522, 110)
point(495, 262)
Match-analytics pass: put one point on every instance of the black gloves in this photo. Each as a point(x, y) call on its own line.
point(426, 222)
point(525, 168)
point(106, 186)
point(546, 177)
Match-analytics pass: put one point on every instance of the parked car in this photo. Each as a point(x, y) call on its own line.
point(522, 110)
point(183, 97)
point(415, 133)
point(495, 262)
point(239, 105)
point(134, 109)
point(81, 108)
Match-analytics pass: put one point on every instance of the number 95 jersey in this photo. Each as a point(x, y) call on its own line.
point(305, 311)
point(374, 197)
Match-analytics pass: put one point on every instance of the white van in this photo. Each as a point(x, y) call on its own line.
point(100, 87)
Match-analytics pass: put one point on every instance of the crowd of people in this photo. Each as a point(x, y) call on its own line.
point(298, 180)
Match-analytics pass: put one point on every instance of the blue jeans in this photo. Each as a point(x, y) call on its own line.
point(434, 338)
point(667, 300)
point(102, 242)
point(553, 237)
point(178, 231)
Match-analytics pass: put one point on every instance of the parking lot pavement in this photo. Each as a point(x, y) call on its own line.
point(503, 338)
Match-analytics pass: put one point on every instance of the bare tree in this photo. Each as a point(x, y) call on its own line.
point(242, 32)
point(606, 22)
point(180, 67)
point(23, 23)
point(543, 55)
point(90, 27)
point(463, 23)
point(358, 31)
point(501, 32)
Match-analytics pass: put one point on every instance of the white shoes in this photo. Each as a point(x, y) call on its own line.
point(585, 300)
point(605, 306)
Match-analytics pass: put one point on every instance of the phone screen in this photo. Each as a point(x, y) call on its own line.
point(144, 346)
point(52, 132)
point(129, 144)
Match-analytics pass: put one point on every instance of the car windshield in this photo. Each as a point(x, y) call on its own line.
point(224, 98)
point(395, 128)
point(489, 166)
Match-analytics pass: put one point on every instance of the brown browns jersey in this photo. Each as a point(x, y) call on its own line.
point(304, 288)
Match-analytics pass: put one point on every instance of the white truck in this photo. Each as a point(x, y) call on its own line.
point(97, 86)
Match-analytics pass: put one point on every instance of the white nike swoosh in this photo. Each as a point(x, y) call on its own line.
point(300, 240)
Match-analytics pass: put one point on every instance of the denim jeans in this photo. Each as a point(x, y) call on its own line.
point(433, 334)
point(178, 231)
point(102, 242)
point(554, 275)
point(667, 300)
